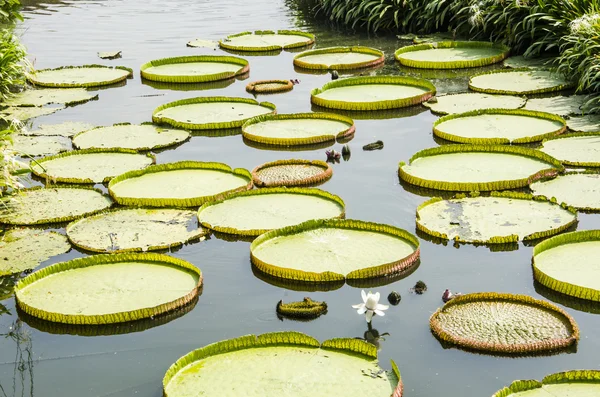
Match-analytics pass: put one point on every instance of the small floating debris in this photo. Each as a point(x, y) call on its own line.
point(109, 54)
point(333, 155)
point(306, 309)
point(378, 145)
point(448, 295)
point(419, 288)
point(334, 75)
point(394, 298)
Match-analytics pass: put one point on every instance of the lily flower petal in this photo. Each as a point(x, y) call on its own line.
point(382, 307)
point(363, 294)
point(379, 312)
point(369, 315)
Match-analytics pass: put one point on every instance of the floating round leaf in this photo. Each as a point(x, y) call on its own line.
point(518, 82)
point(373, 93)
point(504, 323)
point(26, 113)
point(79, 76)
point(194, 69)
point(580, 149)
point(520, 62)
point(109, 54)
point(337, 367)
point(24, 249)
point(579, 190)
point(298, 128)
point(451, 54)
point(579, 383)
point(460, 103)
point(266, 40)
point(269, 86)
point(130, 136)
point(499, 126)
point(481, 168)
point(40, 145)
point(52, 205)
point(105, 289)
point(561, 105)
point(135, 229)
point(209, 113)
point(332, 250)
point(502, 218)
point(201, 43)
point(339, 58)
point(587, 123)
point(306, 309)
point(66, 129)
point(291, 173)
point(90, 165)
point(255, 212)
point(569, 264)
point(182, 184)
point(67, 96)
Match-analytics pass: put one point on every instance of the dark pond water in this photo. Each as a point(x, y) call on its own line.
point(234, 302)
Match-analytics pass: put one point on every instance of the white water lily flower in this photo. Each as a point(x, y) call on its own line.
point(370, 305)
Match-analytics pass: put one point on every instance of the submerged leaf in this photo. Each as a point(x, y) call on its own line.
point(24, 249)
point(40, 145)
point(305, 309)
point(66, 129)
point(25, 113)
point(460, 103)
point(451, 54)
point(110, 54)
point(66, 96)
point(518, 82)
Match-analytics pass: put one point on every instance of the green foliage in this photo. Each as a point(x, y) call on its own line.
point(10, 11)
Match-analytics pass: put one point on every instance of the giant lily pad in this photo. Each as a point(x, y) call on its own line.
point(580, 383)
point(52, 205)
point(481, 168)
point(79, 76)
point(209, 113)
point(373, 93)
point(521, 62)
point(135, 229)
point(504, 323)
point(67, 96)
point(28, 112)
point(460, 103)
point(129, 136)
point(194, 69)
point(90, 165)
point(255, 212)
point(269, 86)
point(339, 58)
point(569, 264)
point(24, 249)
point(580, 190)
point(587, 123)
point(182, 184)
point(112, 288)
point(298, 128)
point(561, 105)
point(66, 129)
point(518, 82)
point(333, 250)
point(337, 367)
point(291, 173)
point(451, 54)
point(580, 149)
point(502, 218)
point(499, 126)
point(40, 145)
point(267, 40)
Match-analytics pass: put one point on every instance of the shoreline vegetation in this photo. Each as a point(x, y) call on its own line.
point(566, 31)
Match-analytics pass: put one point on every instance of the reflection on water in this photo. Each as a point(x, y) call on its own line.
point(22, 382)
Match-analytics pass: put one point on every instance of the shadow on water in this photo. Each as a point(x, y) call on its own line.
point(374, 114)
point(571, 302)
point(213, 85)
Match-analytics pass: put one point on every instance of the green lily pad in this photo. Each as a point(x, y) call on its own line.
point(579, 190)
point(332, 250)
point(502, 218)
point(561, 105)
point(569, 264)
point(269, 86)
point(298, 129)
point(291, 173)
point(499, 126)
point(580, 149)
point(339, 58)
point(40, 145)
point(52, 205)
point(79, 76)
point(24, 249)
point(90, 165)
point(337, 367)
point(66, 96)
point(460, 103)
point(504, 323)
point(579, 383)
point(130, 136)
point(480, 168)
point(373, 93)
point(182, 184)
point(135, 229)
point(105, 289)
point(194, 69)
point(109, 54)
point(25, 113)
point(266, 40)
point(451, 54)
point(209, 113)
point(587, 123)
point(518, 82)
point(66, 129)
point(520, 62)
point(255, 212)
point(201, 43)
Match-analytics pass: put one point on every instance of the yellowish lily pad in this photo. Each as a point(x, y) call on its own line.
point(24, 249)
